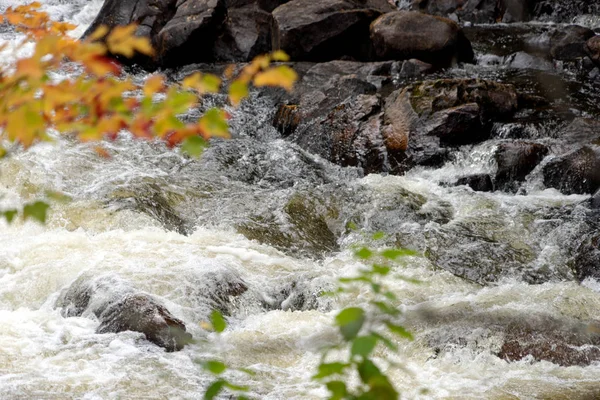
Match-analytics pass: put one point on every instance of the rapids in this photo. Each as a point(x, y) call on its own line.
point(174, 227)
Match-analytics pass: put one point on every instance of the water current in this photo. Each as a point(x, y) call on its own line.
point(115, 226)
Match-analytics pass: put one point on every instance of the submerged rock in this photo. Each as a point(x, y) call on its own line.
point(119, 307)
point(568, 43)
point(514, 336)
point(402, 35)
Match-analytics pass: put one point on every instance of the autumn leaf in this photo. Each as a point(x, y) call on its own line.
point(282, 76)
point(238, 90)
point(153, 85)
point(122, 40)
point(203, 83)
point(214, 123)
point(280, 55)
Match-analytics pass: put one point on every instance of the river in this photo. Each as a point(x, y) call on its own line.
point(114, 227)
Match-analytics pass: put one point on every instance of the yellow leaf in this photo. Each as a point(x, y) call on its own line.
point(214, 123)
point(122, 40)
point(203, 83)
point(280, 55)
point(154, 84)
point(99, 33)
point(282, 76)
point(238, 90)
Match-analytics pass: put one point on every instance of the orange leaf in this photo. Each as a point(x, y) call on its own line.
point(154, 84)
point(282, 76)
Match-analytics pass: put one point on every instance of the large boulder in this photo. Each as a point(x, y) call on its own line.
point(119, 307)
point(246, 32)
point(575, 172)
point(515, 161)
point(323, 30)
point(402, 35)
point(427, 118)
point(188, 37)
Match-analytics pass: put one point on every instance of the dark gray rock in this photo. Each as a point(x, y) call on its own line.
point(188, 37)
point(568, 43)
point(575, 172)
point(592, 49)
point(402, 35)
point(477, 182)
point(119, 307)
point(515, 161)
point(323, 30)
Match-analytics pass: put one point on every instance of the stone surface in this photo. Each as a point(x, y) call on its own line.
point(568, 43)
point(515, 161)
point(575, 172)
point(119, 307)
point(402, 35)
point(592, 49)
point(477, 182)
point(323, 30)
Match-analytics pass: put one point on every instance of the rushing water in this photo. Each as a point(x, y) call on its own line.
point(110, 229)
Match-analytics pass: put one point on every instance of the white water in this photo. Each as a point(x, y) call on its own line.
point(46, 356)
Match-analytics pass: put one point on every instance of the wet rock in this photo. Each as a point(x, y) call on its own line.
point(586, 262)
point(592, 49)
point(421, 121)
point(568, 43)
point(294, 296)
point(188, 37)
point(563, 11)
point(575, 172)
point(514, 336)
point(402, 35)
point(515, 161)
point(477, 182)
point(155, 201)
point(522, 60)
point(323, 30)
point(246, 32)
point(302, 228)
point(119, 307)
point(478, 11)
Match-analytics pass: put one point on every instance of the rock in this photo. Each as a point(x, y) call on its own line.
point(188, 37)
point(513, 336)
point(575, 172)
point(120, 308)
point(424, 119)
point(477, 182)
point(568, 43)
point(515, 161)
point(592, 49)
point(402, 35)
point(247, 32)
point(323, 30)
point(478, 11)
point(586, 262)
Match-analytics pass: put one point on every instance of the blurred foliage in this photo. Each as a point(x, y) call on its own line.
point(95, 100)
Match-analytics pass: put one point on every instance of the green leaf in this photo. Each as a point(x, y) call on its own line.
point(194, 146)
point(328, 369)
point(3, 152)
point(380, 269)
point(217, 321)
point(363, 253)
point(213, 123)
point(10, 215)
point(392, 254)
point(386, 308)
point(238, 90)
point(338, 390)
point(363, 345)
point(387, 342)
point(378, 235)
point(37, 211)
point(367, 370)
point(351, 226)
point(214, 389)
point(237, 388)
point(215, 367)
point(399, 330)
point(350, 320)
point(391, 296)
